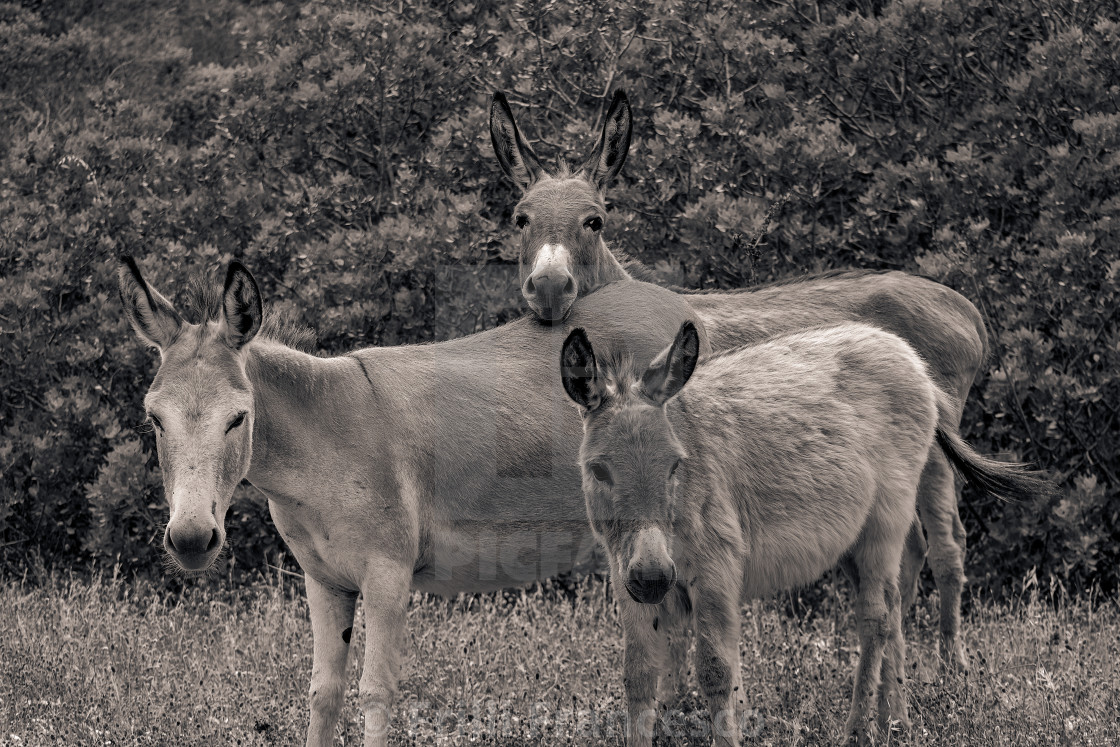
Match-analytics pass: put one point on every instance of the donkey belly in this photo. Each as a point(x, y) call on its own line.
point(799, 562)
point(790, 553)
point(479, 556)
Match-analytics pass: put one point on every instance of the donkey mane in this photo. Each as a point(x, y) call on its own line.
point(637, 269)
point(781, 282)
point(564, 170)
point(203, 303)
point(619, 371)
point(722, 353)
point(641, 271)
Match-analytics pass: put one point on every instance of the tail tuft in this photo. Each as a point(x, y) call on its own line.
point(1007, 480)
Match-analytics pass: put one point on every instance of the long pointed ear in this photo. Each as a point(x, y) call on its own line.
point(671, 370)
point(516, 158)
point(579, 371)
point(606, 160)
point(151, 315)
point(241, 305)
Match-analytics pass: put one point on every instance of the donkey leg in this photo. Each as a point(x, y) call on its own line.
point(717, 662)
point(385, 592)
point(956, 644)
point(877, 569)
point(913, 559)
point(937, 504)
point(892, 686)
point(851, 572)
point(332, 618)
point(644, 658)
point(674, 625)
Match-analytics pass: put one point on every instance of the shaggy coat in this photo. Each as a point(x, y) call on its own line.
point(775, 463)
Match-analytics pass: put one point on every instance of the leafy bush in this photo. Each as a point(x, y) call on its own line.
point(341, 150)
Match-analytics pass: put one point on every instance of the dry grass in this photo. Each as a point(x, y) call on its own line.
point(105, 662)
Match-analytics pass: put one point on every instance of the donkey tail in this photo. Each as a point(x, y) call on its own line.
point(1006, 480)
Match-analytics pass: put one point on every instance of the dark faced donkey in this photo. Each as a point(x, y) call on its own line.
point(561, 219)
point(446, 467)
point(777, 462)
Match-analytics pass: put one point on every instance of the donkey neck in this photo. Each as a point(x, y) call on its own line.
point(301, 406)
point(609, 269)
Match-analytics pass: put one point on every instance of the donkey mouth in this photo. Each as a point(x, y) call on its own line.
point(650, 593)
point(548, 316)
point(551, 314)
point(194, 563)
point(633, 596)
point(194, 552)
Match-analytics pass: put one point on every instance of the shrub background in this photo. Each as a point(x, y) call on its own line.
point(341, 150)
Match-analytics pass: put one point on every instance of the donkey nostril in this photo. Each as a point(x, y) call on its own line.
point(213, 540)
point(570, 286)
point(171, 542)
point(651, 582)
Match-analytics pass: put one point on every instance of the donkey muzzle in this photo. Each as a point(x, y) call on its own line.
point(550, 288)
point(194, 546)
point(551, 294)
point(650, 584)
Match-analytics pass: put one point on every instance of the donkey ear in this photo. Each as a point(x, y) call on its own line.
point(670, 370)
point(151, 315)
point(579, 371)
point(516, 158)
point(606, 160)
point(241, 305)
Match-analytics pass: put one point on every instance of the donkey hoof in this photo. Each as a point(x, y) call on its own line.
point(897, 722)
point(953, 657)
point(893, 713)
point(860, 735)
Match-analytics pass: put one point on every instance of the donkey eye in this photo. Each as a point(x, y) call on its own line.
point(600, 473)
point(673, 469)
point(595, 223)
point(236, 421)
point(155, 421)
point(522, 220)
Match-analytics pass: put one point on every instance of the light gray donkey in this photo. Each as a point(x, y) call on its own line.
point(777, 462)
point(447, 467)
point(561, 219)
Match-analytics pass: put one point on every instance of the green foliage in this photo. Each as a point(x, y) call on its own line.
point(341, 150)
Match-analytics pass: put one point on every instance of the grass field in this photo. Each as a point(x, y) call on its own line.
point(107, 662)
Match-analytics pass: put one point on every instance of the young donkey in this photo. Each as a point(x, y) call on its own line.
point(778, 461)
point(561, 218)
point(446, 467)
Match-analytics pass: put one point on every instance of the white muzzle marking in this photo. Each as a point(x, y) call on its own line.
point(551, 256)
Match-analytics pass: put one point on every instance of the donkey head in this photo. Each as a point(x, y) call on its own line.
point(200, 404)
point(561, 215)
point(630, 455)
